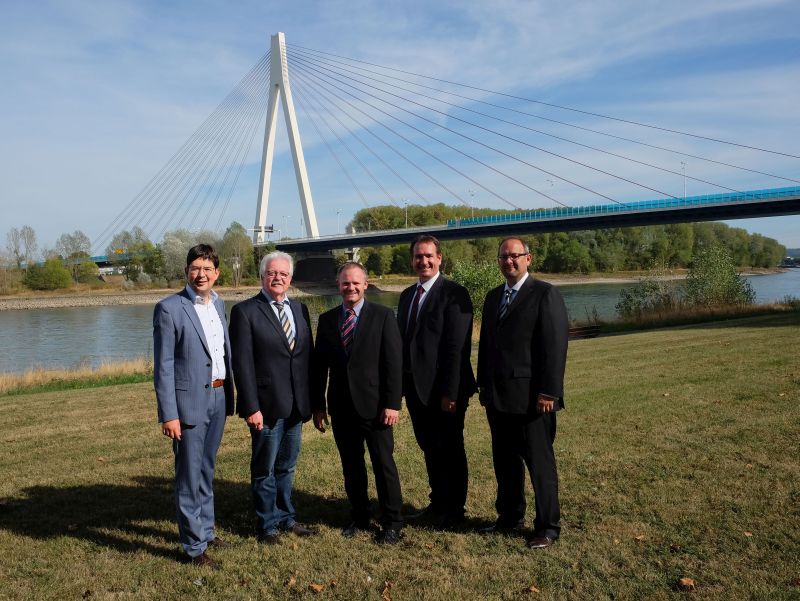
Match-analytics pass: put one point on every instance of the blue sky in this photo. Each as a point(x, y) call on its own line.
point(98, 95)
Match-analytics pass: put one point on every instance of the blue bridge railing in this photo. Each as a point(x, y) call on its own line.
point(641, 205)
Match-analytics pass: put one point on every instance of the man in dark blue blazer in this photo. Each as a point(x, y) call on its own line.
point(358, 355)
point(435, 320)
point(194, 389)
point(271, 338)
point(522, 355)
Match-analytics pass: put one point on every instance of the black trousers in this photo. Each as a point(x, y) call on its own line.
point(519, 441)
point(440, 435)
point(351, 432)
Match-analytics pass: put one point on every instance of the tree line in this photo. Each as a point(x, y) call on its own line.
point(587, 251)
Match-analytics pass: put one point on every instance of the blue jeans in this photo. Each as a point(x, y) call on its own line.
point(275, 451)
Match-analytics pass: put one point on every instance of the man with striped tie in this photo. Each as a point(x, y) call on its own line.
point(522, 354)
point(359, 357)
point(272, 346)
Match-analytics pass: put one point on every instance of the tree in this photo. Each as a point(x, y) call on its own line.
point(73, 249)
point(713, 281)
point(478, 278)
point(236, 249)
point(174, 248)
point(50, 276)
point(21, 244)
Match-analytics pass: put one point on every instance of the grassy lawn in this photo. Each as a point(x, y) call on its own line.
point(679, 457)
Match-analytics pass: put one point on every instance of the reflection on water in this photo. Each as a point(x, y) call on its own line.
point(70, 337)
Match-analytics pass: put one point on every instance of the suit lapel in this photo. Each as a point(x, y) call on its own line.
point(404, 307)
point(362, 328)
point(265, 306)
point(299, 332)
point(525, 290)
point(430, 298)
point(188, 307)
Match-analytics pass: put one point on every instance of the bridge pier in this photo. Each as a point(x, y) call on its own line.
point(314, 267)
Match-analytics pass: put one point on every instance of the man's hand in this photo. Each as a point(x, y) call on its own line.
point(172, 429)
point(545, 404)
point(389, 417)
point(320, 420)
point(256, 421)
point(448, 405)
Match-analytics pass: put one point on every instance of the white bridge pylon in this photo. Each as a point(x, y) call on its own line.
point(279, 88)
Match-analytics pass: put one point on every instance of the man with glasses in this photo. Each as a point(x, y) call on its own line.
point(522, 355)
point(194, 389)
point(271, 338)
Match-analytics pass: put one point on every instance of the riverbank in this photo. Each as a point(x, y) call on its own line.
point(101, 298)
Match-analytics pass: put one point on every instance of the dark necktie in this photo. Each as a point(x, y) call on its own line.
point(503, 311)
point(412, 318)
point(348, 329)
point(287, 327)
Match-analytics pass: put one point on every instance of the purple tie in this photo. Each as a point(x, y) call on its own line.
point(348, 328)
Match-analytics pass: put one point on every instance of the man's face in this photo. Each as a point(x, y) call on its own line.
point(276, 279)
point(426, 260)
point(352, 284)
point(513, 260)
point(201, 275)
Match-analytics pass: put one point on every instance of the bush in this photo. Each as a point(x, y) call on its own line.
point(478, 278)
point(712, 280)
point(652, 294)
point(50, 276)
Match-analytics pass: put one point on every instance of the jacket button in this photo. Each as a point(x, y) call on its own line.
point(207, 385)
point(208, 365)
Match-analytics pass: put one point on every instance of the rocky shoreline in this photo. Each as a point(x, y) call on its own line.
point(151, 297)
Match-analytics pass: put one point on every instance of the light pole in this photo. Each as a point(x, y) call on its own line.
point(405, 204)
point(683, 168)
point(338, 229)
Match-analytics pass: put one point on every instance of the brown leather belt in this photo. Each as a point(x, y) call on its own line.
point(217, 383)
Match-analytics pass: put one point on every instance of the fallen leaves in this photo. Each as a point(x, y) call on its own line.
point(387, 585)
point(687, 584)
point(639, 538)
point(316, 588)
point(290, 581)
point(102, 459)
point(532, 589)
point(748, 533)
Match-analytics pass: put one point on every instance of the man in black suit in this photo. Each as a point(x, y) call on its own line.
point(521, 359)
point(435, 320)
point(271, 338)
point(359, 355)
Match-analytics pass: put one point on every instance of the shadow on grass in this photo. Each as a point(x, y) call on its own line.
point(121, 516)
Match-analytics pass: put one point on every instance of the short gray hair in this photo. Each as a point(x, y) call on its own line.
point(276, 254)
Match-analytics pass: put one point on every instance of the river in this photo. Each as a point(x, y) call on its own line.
point(70, 337)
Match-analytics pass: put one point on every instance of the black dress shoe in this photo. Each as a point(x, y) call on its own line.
point(540, 542)
point(299, 530)
point(204, 561)
point(219, 543)
point(389, 536)
point(354, 528)
point(429, 512)
point(267, 539)
point(449, 521)
point(502, 528)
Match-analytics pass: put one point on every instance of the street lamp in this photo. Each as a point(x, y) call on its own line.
point(338, 229)
point(683, 167)
point(405, 204)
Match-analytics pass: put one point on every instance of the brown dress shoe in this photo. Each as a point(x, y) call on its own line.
point(540, 542)
point(219, 543)
point(299, 530)
point(204, 561)
point(267, 539)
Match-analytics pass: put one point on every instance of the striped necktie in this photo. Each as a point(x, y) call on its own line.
point(287, 327)
point(348, 329)
point(507, 298)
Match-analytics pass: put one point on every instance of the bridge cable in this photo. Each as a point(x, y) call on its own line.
point(365, 146)
point(513, 139)
point(522, 126)
point(564, 108)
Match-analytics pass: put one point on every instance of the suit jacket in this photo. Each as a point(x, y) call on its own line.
point(370, 379)
point(526, 353)
point(441, 342)
point(269, 377)
point(182, 361)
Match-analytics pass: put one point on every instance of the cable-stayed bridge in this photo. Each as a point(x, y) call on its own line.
point(386, 136)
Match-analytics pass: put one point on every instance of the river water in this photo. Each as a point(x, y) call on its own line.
point(70, 337)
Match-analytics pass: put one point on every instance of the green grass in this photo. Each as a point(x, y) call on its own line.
point(679, 456)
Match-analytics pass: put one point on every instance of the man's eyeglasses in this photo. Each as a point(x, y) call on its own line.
point(512, 256)
point(277, 274)
point(206, 270)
